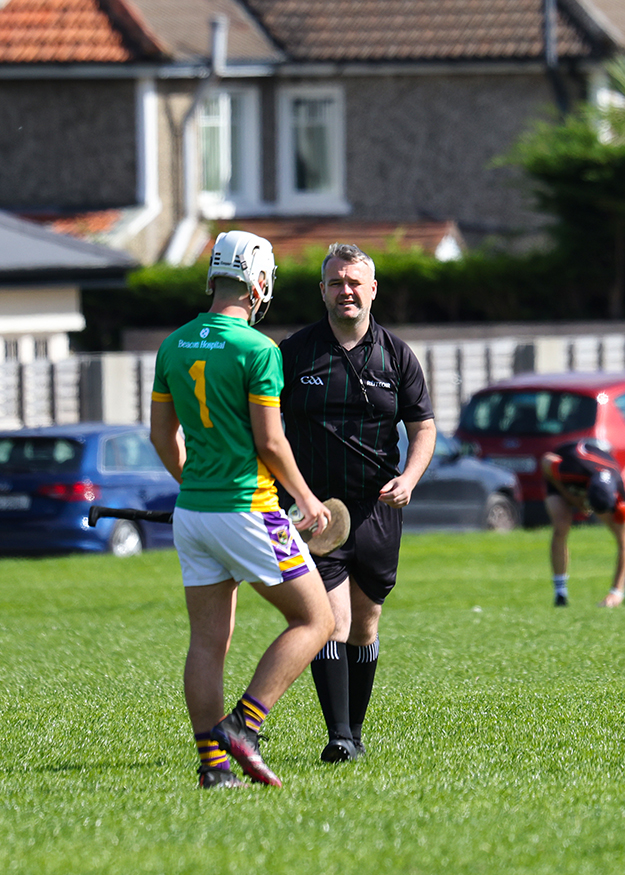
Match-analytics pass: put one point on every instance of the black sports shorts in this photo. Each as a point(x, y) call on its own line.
point(550, 489)
point(371, 552)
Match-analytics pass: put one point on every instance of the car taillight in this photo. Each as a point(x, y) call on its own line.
point(81, 491)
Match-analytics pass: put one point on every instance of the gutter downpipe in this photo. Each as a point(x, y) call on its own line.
point(550, 28)
point(186, 228)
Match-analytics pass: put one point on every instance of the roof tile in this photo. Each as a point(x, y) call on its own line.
point(46, 31)
point(354, 30)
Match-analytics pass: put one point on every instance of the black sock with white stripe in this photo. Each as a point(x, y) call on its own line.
point(331, 676)
point(362, 662)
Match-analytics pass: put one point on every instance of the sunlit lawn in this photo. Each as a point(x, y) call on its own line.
point(495, 734)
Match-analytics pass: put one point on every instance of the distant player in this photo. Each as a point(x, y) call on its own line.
point(221, 380)
point(583, 478)
point(348, 384)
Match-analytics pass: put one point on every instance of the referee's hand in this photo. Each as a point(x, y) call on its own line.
point(395, 493)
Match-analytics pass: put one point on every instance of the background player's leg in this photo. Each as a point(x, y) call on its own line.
point(561, 516)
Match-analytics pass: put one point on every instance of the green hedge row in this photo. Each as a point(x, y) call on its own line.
point(413, 287)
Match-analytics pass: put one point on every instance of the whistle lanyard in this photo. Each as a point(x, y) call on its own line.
point(361, 383)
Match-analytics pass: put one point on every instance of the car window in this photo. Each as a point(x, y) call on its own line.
point(40, 454)
point(532, 412)
point(131, 451)
point(620, 404)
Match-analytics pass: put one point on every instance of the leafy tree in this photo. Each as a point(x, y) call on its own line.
point(577, 166)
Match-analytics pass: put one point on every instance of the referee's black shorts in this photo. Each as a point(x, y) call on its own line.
point(370, 554)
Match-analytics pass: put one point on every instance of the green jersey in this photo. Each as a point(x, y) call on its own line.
point(212, 368)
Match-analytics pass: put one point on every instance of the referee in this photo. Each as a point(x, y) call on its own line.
point(348, 382)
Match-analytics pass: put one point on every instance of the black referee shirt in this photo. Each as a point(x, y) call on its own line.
point(341, 408)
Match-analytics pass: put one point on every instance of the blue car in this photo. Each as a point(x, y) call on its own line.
point(50, 477)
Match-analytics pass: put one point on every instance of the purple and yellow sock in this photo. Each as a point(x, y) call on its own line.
point(210, 753)
point(254, 712)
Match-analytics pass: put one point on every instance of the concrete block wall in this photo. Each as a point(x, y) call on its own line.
point(116, 387)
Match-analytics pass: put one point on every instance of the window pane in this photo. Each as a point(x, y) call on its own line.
point(221, 144)
point(209, 145)
point(40, 454)
point(311, 142)
point(130, 452)
point(529, 413)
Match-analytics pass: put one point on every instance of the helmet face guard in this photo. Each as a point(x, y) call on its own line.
point(247, 258)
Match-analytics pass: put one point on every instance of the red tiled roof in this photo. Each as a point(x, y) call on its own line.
point(290, 237)
point(409, 30)
point(342, 31)
point(64, 31)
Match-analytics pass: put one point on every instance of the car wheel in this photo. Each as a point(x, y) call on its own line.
point(125, 539)
point(501, 514)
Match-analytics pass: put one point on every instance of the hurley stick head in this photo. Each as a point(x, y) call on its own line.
point(335, 533)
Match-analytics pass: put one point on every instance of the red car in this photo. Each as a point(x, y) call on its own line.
point(515, 421)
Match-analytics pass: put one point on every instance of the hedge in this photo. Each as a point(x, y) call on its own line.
point(413, 287)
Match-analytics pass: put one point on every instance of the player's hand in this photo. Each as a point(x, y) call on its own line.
point(316, 515)
point(612, 600)
point(395, 493)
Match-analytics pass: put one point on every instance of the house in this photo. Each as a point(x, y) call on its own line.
point(41, 277)
point(138, 124)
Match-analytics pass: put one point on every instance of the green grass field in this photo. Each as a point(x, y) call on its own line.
point(495, 732)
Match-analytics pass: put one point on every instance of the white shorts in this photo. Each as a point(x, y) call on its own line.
point(250, 546)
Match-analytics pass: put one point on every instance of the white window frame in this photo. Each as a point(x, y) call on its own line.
point(215, 205)
point(332, 201)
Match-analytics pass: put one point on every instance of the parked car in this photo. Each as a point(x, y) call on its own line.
point(50, 477)
point(515, 421)
point(457, 491)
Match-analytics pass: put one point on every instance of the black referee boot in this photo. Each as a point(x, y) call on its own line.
point(339, 750)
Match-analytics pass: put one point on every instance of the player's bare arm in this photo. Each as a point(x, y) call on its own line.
point(421, 443)
point(615, 597)
point(166, 437)
point(275, 451)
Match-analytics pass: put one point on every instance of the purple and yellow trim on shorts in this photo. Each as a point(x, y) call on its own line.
point(288, 555)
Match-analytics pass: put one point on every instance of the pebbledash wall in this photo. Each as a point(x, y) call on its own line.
point(116, 387)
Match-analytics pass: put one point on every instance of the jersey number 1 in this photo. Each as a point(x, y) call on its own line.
point(197, 375)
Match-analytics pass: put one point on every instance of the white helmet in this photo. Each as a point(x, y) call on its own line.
point(242, 256)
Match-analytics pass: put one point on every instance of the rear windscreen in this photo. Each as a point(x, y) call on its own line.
point(538, 412)
point(23, 454)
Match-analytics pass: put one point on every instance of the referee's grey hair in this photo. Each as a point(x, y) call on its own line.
point(347, 252)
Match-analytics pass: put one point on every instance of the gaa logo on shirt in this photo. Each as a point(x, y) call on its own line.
point(204, 332)
point(311, 381)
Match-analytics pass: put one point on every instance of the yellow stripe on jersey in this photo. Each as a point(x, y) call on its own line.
point(161, 396)
point(291, 562)
point(265, 496)
point(264, 400)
